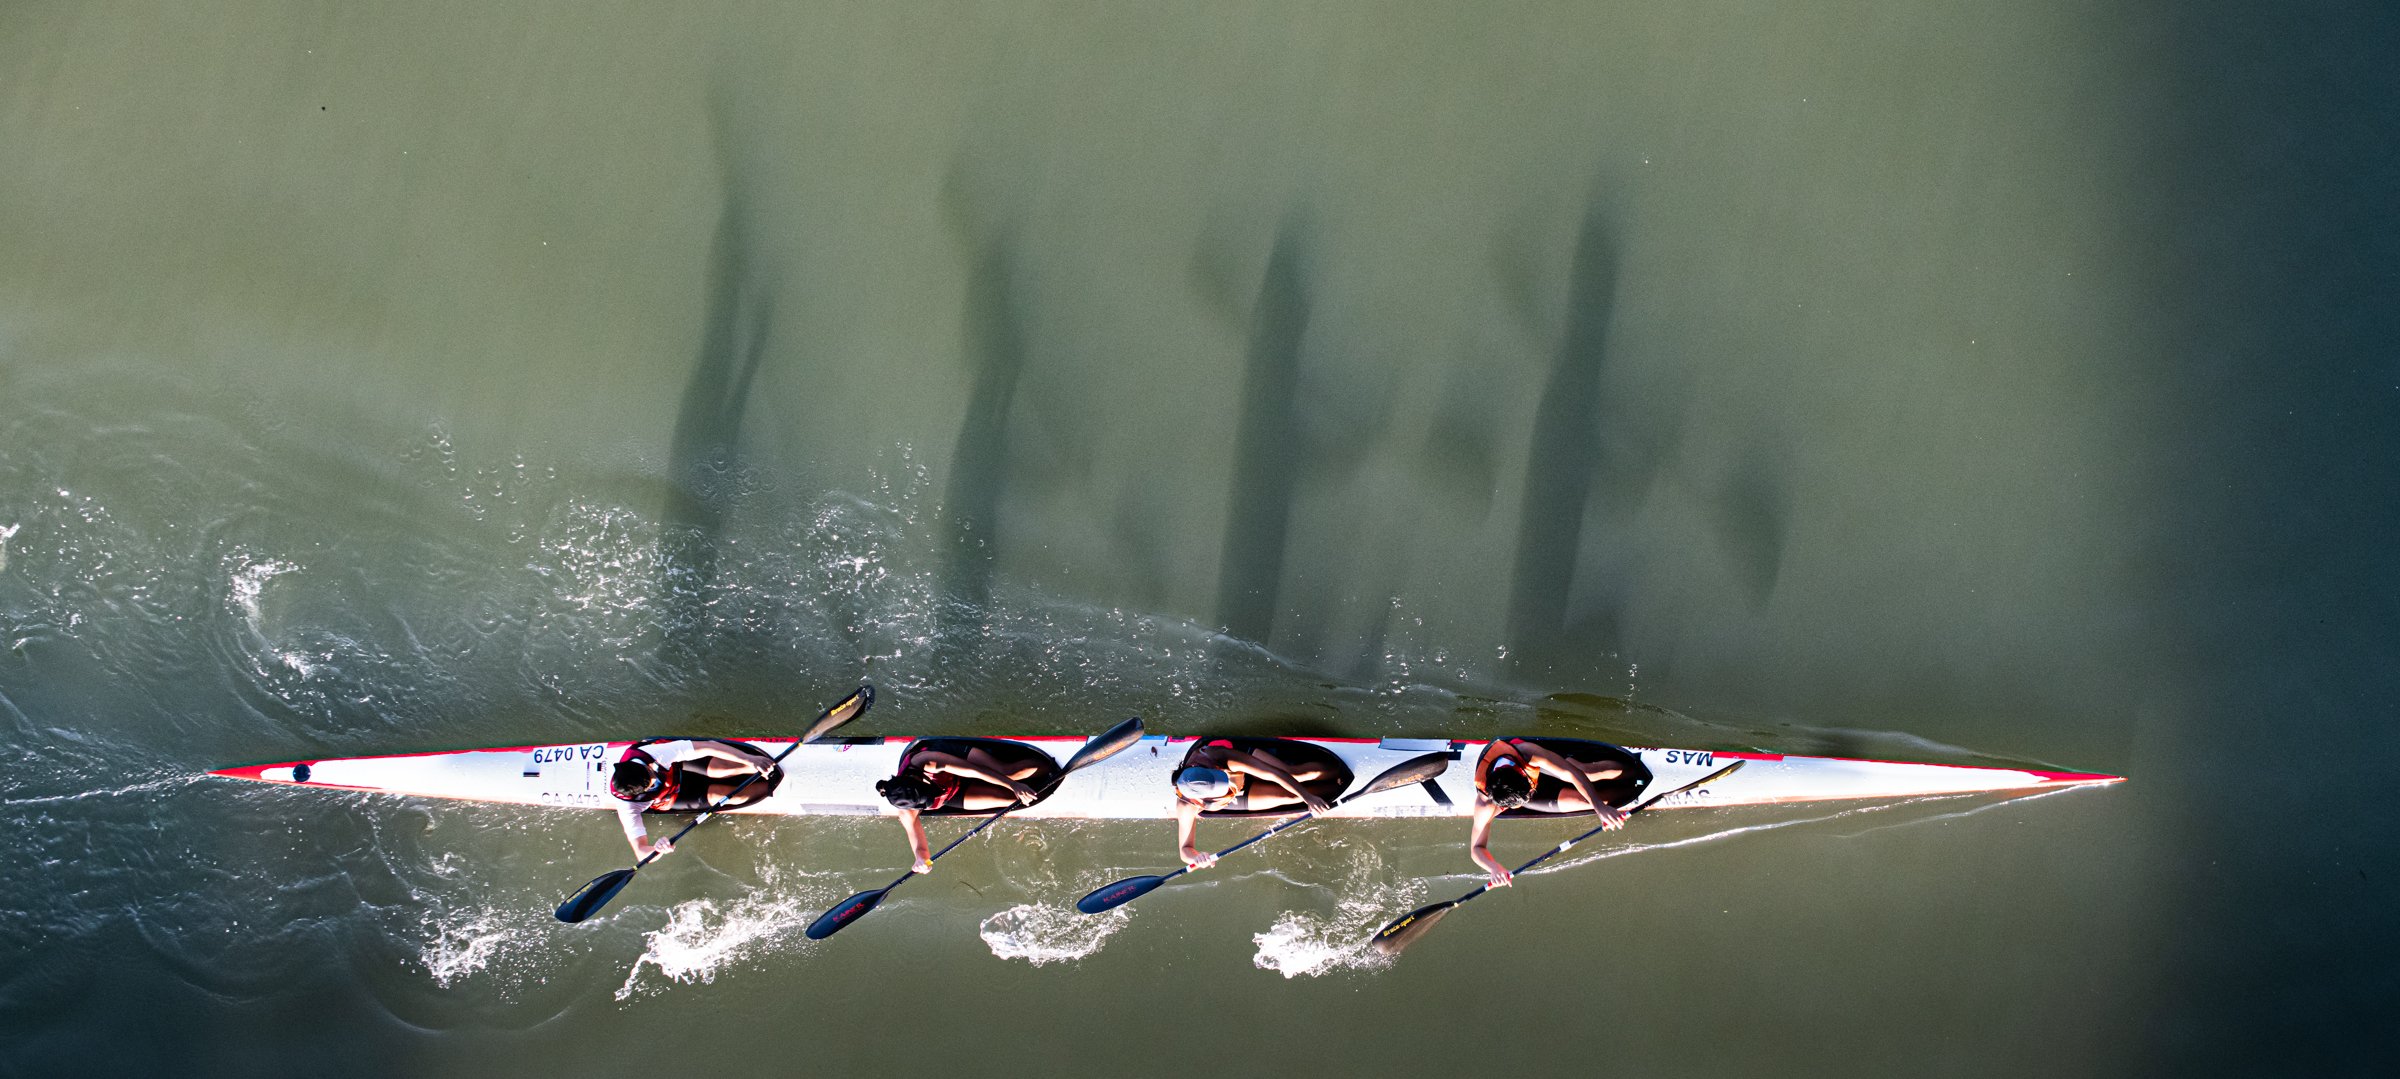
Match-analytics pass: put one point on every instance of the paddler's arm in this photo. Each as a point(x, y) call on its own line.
point(1187, 826)
point(917, 846)
point(1251, 765)
point(629, 815)
point(960, 766)
point(1553, 764)
point(1479, 838)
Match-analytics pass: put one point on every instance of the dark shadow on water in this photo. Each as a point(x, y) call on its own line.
point(705, 466)
point(2268, 222)
point(979, 460)
point(1753, 517)
point(1267, 450)
point(1561, 464)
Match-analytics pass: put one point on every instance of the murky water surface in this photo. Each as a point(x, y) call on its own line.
point(2006, 384)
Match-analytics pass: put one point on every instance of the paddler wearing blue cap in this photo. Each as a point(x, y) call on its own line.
point(1505, 778)
point(1217, 776)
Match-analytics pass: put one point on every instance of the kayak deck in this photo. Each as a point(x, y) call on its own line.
point(836, 776)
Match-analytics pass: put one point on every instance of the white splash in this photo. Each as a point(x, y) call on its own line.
point(701, 938)
point(7, 533)
point(1041, 934)
point(249, 580)
point(463, 946)
point(1306, 942)
point(1316, 943)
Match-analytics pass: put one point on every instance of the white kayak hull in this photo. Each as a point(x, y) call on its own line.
point(837, 776)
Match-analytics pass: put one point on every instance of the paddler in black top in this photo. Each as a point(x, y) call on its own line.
point(1505, 778)
point(1215, 775)
point(973, 782)
point(663, 775)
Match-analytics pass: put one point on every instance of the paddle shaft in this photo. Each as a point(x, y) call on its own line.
point(1377, 785)
point(1400, 775)
point(1047, 790)
point(588, 899)
point(1100, 748)
point(1563, 847)
point(1081, 758)
point(736, 792)
point(1240, 845)
point(1299, 820)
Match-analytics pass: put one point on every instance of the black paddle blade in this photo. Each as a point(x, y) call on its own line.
point(1111, 896)
point(1693, 785)
point(840, 917)
point(1405, 930)
point(1110, 743)
point(588, 900)
point(1412, 770)
point(851, 707)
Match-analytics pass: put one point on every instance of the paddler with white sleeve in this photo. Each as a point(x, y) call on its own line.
point(670, 775)
point(1505, 778)
point(1217, 775)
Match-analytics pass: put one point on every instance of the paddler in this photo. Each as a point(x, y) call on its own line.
point(973, 782)
point(1505, 778)
point(1216, 776)
point(665, 775)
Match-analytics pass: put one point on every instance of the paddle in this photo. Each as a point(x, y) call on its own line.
point(1098, 749)
point(1412, 770)
point(588, 899)
point(1405, 930)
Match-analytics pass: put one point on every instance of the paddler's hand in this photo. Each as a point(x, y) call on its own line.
point(1027, 796)
point(663, 846)
point(1316, 806)
point(1500, 878)
point(1611, 818)
point(924, 865)
point(1198, 859)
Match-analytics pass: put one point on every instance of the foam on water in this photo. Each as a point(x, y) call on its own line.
point(7, 532)
point(1314, 944)
point(704, 937)
point(1042, 934)
point(250, 577)
point(247, 582)
point(460, 945)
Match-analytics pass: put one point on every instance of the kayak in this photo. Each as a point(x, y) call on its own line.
point(836, 776)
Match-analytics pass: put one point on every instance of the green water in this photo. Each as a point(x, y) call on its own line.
point(1946, 383)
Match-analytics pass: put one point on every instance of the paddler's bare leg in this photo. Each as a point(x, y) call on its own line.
point(1273, 798)
point(719, 792)
point(981, 759)
point(718, 766)
point(1306, 773)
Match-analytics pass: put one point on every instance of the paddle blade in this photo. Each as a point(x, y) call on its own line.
point(1693, 785)
point(1111, 896)
point(1407, 772)
point(1111, 742)
point(1405, 930)
point(840, 917)
point(851, 707)
point(588, 900)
